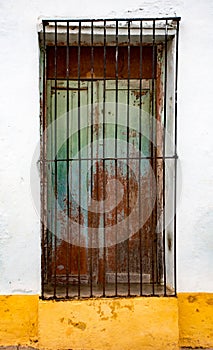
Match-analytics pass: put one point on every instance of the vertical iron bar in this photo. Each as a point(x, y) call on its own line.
point(79, 155)
point(140, 150)
point(152, 154)
point(116, 155)
point(128, 85)
point(175, 175)
point(55, 154)
point(43, 113)
point(92, 72)
point(104, 176)
point(164, 168)
point(156, 176)
point(51, 214)
point(50, 152)
point(67, 163)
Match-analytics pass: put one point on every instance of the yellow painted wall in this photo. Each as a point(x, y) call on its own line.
point(115, 324)
point(18, 319)
point(125, 324)
point(196, 319)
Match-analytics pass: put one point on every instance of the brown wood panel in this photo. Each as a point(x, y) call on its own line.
point(98, 71)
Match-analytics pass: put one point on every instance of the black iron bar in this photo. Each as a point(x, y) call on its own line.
point(175, 155)
point(92, 167)
point(108, 158)
point(56, 168)
point(79, 157)
point(50, 214)
point(176, 19)
point(128, 187)
point(70, 88)
point(153, 157)
point(67, 164)
point(164, 167)
point(116, 154)
point(89, 80)
point(156, 255)
point(104, 175)
point(48, 234)
point(43, 165)
point(140, 150)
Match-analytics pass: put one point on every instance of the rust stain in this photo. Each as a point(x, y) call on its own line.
point(98, 72)
point(79, 325)
point(103, 176)
point(209, 301)
point(96, 121)
point(192, 299)
point(137, 93)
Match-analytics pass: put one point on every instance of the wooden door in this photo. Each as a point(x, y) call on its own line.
point(101, 186)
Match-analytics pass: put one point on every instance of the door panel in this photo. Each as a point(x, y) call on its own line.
point(103, 184)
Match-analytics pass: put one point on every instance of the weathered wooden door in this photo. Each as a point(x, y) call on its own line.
point(101, 136)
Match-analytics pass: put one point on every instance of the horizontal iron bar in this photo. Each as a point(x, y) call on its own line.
point(60, 298)
point(45, 21)
point(68, 88)
point(94, 79)
point(110, 158)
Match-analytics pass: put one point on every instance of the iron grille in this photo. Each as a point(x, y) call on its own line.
point(109, 157)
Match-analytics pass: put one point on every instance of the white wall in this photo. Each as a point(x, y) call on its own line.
point(195, 216)
point(19, 123)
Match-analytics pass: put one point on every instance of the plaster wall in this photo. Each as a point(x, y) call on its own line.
point(19, 123)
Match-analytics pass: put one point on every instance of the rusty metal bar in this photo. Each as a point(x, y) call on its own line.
point(92, 167)
point(175, 154)
point(148, 19)
point(140, 150)
point(164, 167)
point(116, 155)
point(51, 216)
point(67, 163)
point(43, 114)
point(108, 158)
point(79, 158)
point(95, 79)
point(104, 175)
point(47, 201)
point(155, 168)
point(152, 156)
point(128, 99)
point(56, 168)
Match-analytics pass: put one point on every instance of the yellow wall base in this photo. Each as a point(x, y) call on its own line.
point(196, 319)
point(115, 324)
point(102, 324)
point(18, 319)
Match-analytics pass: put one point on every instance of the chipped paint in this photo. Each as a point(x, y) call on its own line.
point(94, 191)
point(120, 324)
